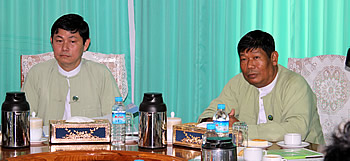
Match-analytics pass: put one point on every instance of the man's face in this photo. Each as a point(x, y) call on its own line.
point(68, 48)
point(257, 68)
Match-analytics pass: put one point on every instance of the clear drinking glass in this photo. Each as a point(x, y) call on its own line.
point(240, 134)
point(131, 129)
point(132, 124)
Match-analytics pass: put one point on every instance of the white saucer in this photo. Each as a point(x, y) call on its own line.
point(39, 142)
point(268, 145)
point(302, 145)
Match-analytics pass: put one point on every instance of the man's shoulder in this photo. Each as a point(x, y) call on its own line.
point(238, 83)
point(238, 79)
point(289, 75)
point(93, 66)
point(43, 66)
point(290, 78)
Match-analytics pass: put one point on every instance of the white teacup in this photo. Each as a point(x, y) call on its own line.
point(292, 139)
point(253, 154)
point(273, 157)
point(36, 129)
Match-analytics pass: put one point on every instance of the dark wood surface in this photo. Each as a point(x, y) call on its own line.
point(46, 151)
point(96, 155)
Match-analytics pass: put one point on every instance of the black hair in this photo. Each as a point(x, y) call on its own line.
point(257, 39)
point(73, 23)
point(340, 147)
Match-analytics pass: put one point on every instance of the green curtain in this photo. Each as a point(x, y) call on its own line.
point(186, 49)
point(25, 28)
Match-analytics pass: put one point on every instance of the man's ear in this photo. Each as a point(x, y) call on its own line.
point(51, 40)
point(274, 58)
point(87, 43)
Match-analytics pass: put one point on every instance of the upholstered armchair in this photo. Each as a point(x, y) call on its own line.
point(114, 62)
point(330, 82)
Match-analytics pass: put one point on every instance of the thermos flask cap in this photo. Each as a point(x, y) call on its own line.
point(218, 142)
point(15, 101)
point(219, 148)
point(152, 102)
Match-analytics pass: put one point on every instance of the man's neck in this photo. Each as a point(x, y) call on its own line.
point(68, 68)
point(70, 73)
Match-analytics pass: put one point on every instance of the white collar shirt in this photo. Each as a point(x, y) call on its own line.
point(67, 110)
point(263, 92)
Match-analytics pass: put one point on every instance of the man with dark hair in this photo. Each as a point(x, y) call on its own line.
point(271, 99)
point(340, 147)
point(70, 85)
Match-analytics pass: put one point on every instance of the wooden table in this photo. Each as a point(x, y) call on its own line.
point(92, 149)
point(171, 150)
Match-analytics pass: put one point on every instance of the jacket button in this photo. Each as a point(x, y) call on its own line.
point(75, 98)
point(270, 117)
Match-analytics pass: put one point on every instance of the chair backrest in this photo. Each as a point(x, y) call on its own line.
point(114, 62)
point(330, 82)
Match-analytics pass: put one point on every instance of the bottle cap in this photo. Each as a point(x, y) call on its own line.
point(221, 106)
point(118, 99)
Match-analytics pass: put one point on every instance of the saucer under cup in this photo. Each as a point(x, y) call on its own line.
point(273, 157)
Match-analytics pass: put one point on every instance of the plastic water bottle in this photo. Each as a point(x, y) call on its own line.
point(209, 133)
point(118, 122)
point(221, 121)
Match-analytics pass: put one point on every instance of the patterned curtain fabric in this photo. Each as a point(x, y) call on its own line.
point(186, 49)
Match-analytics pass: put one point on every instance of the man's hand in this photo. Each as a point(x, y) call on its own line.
point(232, 117)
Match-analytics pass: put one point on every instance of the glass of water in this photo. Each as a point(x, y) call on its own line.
point(240, 134)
